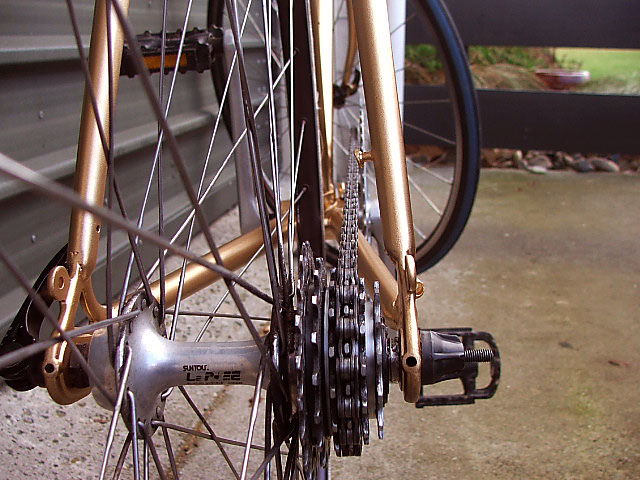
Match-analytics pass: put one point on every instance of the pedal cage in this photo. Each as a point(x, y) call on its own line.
point(469, 375)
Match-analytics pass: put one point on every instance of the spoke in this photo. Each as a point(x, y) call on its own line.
point(344, 150)
point(204, 421)
point(122, 457)
point(149, 445)
point(431, 134)
point(292, 147)
point(338, 12)
point(206, 436)
point(256, 171)
point(275, 173)
point(172, 459)
point(134, 436)
point(110, 174)
point(161, 256)
point(252, 422)
point(156, 158)
point(294, 185)
point(426, 102)
point(215, 178)
point(25, 352)
point(193, 313)
point(269, 455)
point(402, 24)
point(132, 241)
point(432, 173)
point(424, 195)
point(145, 454)
point(116, 413)
point(419, 232)
point(42, 184)
point(291, 464)
point(267, 433)
point(44, 310)
point(256, 27)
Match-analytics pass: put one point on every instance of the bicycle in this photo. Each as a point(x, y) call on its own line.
point(326, 358)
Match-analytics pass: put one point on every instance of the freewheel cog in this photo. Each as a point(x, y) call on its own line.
point(341, 349)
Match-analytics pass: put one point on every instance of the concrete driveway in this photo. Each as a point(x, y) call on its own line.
point(551, 266)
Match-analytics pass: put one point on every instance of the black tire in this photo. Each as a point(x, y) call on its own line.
point(467, 124)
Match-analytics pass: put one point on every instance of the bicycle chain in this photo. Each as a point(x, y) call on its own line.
point(350, 427)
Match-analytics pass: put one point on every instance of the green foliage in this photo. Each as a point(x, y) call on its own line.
point(530, 58)
point(424, 55)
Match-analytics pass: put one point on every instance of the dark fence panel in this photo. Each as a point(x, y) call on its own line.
point(535, 120)
point(553, 23)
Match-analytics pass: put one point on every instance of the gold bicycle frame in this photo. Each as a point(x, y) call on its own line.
point(72, 285)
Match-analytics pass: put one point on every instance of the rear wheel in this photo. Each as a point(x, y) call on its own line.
point(178, 191)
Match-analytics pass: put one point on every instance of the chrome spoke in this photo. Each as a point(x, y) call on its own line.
point(295, 168)
point(145, 456)
point(151, 447)
point(122, 457)
point(204, 421)
point(252, 423)
point(291, 147)
point(116, 413)
point(448, 141)
point(213, 181)
point(206, 436)
point(157, 153)
point(426, 102)
point(193, 313)
point(424, 195)
point(134, 436)
point(275, 171)
point(172, 459)
point(432, 173)
point(402, 24)
point(256, 171)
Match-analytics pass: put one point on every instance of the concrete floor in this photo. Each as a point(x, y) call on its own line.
point(550, 265)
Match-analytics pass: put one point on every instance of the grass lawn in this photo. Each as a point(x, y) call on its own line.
point(601, 62)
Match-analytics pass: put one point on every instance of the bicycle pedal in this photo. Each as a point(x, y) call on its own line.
point(199, 50)
point(450, 353)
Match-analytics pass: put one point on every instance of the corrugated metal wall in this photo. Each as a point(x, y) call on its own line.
point(41, 87)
